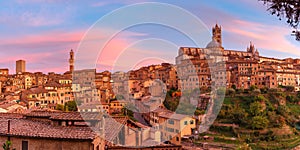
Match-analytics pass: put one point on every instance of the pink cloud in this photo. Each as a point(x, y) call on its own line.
point(41, 51)
point(47, 37)
point(113, 49)
point(264, 36)
point(126, 2)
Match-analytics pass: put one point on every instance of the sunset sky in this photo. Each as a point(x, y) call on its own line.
point(42, 32)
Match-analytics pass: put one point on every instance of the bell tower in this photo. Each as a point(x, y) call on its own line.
point(71, 61)
point(217, 33)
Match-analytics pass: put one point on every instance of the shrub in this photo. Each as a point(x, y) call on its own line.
point(230, 92)
point(289, 88)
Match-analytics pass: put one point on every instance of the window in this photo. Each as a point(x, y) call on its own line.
point(192, 122)
point(171, 121)
point(185, 122)
point(24, 145)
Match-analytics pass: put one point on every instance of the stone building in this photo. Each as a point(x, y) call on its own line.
point(20, 66)
point(4, 72)
point(243, 69)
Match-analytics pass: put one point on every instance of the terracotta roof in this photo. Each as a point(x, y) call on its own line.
point(52, 84)
point(172, 115)
point(158, 110)
point(11, 115)
point(77, 116)
point(36, 90)
point(40, 113)
point(7, 105)
point(28, 128)
point(72, 116)
point(118, 101)
point(113, 126)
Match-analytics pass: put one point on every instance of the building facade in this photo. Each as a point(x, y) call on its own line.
point(242, 69)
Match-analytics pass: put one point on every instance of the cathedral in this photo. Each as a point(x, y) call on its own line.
point(216, 66)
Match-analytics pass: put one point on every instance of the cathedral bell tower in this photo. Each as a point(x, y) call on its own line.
point(71, 61)
point(217, 33)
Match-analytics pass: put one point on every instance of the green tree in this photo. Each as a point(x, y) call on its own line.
point(253, 87)
point(230, 92)
point(256, 92)
point(298, 94)
point(239, 115)
point(60, 107)
point(128, 110)
point(288, 9)
point(71, 106)
point(275, 120)
point(291, 99)
point(199, 112)
point(289, 88)
point(259, 122)
point(233, 86)
point(185, 108)
point(264, 90)
point(260, 98)
point(256, 109)
point(283, 110)
point(7, 145)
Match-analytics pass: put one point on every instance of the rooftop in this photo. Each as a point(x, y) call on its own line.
point(28, 128)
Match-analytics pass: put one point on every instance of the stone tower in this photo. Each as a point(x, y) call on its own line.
point(20, 66)
point(217, 33)
point(71, 61)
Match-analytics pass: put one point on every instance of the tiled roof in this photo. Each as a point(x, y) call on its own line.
point(118, 101)
point(71, 116)
point(77, 116)
point(36, 90)
point(172, 115)
point(41, 113)
point(11, 115)
point(7, 105)
point(52, 84)
point(158, 110)
point(28, 128)
point(113, 126)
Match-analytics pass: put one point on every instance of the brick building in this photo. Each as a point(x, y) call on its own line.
point(242, 68)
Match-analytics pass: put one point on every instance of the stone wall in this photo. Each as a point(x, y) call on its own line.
point(50, 144)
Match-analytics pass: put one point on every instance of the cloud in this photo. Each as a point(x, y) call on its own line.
point(49, 49)
point(121, 2)
point(238, 31)
point(35, 13)
point(36, 19)
point(89, 47)
point(54, 36)
point(265, 37)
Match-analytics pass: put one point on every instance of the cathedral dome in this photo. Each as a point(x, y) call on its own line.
point(213, 44)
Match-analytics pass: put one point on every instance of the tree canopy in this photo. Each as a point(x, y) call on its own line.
point(286, 9)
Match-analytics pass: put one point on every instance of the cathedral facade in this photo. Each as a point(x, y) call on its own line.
point(216, 66)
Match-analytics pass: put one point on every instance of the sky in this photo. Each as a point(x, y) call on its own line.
point(42, 32)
